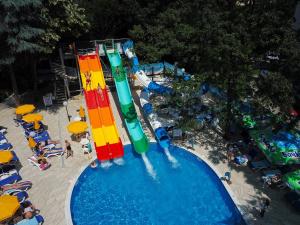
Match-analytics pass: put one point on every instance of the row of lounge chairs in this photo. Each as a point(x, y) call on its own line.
point(10, 180)
point(271, 175)
point(41, 137)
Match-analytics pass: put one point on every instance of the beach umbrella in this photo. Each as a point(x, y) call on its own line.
point(8, 206)
point(77, 127)
point(36, 125)
point(81, 112)
point(31, 142)
point(84, 141)
point(292, 179)
point(24, 109)
point(280, 149)
point(30, 118)
point(6, 156)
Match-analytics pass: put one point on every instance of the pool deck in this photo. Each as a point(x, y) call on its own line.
point(50, 188)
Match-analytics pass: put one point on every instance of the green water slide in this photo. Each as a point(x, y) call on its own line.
point(136, 132)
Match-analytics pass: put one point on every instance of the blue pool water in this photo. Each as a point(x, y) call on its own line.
point(188, 194)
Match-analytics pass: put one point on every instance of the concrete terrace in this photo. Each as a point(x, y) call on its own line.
point(50, 187)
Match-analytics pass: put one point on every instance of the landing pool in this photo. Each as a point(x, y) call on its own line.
point(188, 192)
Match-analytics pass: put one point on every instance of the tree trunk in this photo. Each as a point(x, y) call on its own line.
point(34, 76)
point(14, 84)
point(228, 119)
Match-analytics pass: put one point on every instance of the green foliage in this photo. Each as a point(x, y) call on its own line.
point(19, 29)
point(227, 42)
point(62, 19)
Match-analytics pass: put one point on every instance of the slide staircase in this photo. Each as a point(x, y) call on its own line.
point(107, 141)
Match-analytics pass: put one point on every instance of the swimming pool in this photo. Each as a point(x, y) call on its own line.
point(189, 193)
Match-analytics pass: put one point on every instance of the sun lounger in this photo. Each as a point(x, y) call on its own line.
point(271, 173)
point(44, 136)
point(4, 144)
point(259, 165)
point(10, 177)
point(294, 199)
point(54, 152)
point(22, 185)
point(20, 194)
point(296, 205)
point(34, 161)
point(292, 196)
point(38, 219)
point(5, 168)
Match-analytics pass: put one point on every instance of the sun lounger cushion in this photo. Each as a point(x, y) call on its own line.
point(260, 164)
point(9, 178)
point(5, 146)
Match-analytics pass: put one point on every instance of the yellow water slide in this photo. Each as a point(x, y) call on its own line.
point(104, 131)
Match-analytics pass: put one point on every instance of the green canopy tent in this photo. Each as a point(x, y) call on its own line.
point(292, 179)
point(280, 149)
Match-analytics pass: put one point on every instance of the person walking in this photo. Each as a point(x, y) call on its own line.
point(68, 149)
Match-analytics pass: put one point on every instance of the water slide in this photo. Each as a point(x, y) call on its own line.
point(107, 141)
point(158, 126)
point(135, 130)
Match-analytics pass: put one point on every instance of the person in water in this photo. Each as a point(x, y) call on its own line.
point(88, 79)
point(100, 92)
point(117, 71)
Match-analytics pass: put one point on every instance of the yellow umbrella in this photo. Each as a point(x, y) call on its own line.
point(6, 156)
point(8, 206)
point(36, 125)
point(30, 118)
point(77, 127)
point(31, 142)
point(81, 112)
point(23, 109)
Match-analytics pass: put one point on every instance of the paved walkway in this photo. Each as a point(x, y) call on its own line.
point(50, 187)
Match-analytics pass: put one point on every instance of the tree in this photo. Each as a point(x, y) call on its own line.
point(33, 28)
point(225, 40)
point(19, 31)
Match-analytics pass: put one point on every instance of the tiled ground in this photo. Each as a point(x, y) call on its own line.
point(50, 187)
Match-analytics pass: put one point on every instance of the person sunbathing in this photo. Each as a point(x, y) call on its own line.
point(43, 164)
point(22, 185)
point(100, 92)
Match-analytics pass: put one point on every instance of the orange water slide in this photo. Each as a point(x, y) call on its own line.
point(104, 131)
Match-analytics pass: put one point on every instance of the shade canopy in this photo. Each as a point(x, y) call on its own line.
point(77, 127)
point(281, 149)
point(30, 118)
point(293, 180)
point(8, 206)
point(6, 156)
point(23, 109)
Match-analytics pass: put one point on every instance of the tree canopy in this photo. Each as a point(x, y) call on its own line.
point(31, 28)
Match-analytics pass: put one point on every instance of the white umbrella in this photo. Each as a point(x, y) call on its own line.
point(84, 141)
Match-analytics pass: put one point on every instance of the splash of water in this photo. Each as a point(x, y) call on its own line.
point(105, 164)
point(149, 166)
point(119, 161)
point(171, 158)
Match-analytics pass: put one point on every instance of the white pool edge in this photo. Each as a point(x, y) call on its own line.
point(68, 216)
